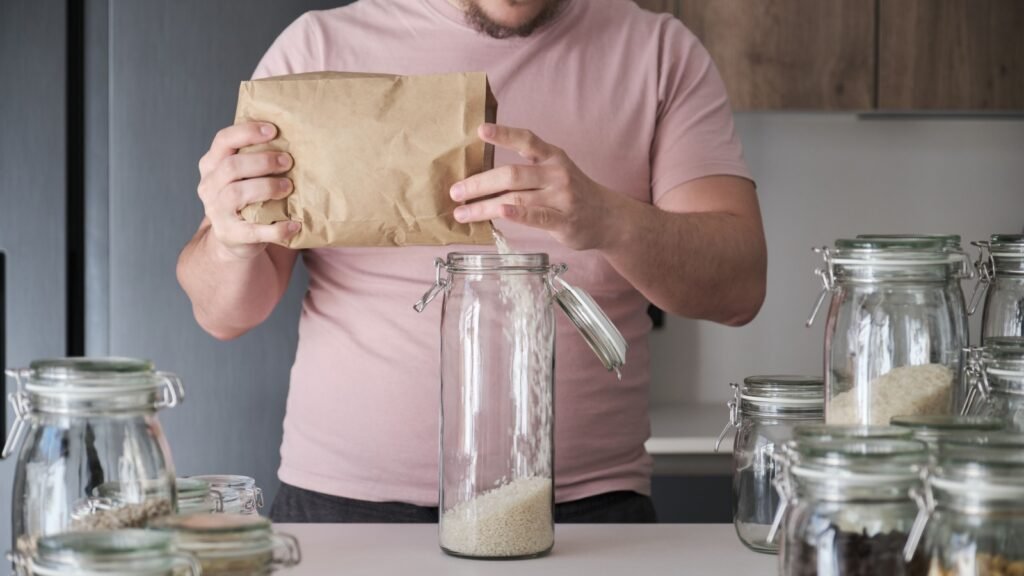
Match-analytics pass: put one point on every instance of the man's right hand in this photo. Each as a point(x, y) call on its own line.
point(230, 181)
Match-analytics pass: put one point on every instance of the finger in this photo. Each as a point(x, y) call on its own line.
point(541, 217)
point(498, 180)
point(491, 208)
point(522, 141)
point(249, 165)
point(229, 140)
point(241, 232)
point(240, 194)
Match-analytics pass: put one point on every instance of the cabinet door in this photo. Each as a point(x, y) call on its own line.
point(788, 54)
point(951, 55)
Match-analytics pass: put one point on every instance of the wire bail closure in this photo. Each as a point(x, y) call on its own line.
point(828, 281)
point(977, 379)
point(734, 415)
point(925, 507)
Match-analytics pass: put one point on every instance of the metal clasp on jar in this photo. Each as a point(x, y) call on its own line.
point(986, 266)
point(977, 379)
point(440, 284)
point(828, 281)
point(22, 406)
point(925, 507)
point(734, 415)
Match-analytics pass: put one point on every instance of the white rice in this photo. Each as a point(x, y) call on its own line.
point(903, 391)
point(511, 520)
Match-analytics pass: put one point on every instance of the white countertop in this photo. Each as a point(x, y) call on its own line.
point(687, 429)
point(580, 549)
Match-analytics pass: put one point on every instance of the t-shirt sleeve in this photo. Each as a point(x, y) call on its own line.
point(298, 49)
point(694, 136)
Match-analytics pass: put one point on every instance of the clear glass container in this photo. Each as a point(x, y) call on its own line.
point(764, 412)
point(894, 336)
point(497, 396)
point(852, 505)
point(239, 494)
point(1000, 269)
point(196, 497)
point(81, 423)
point(973, 510)
point(932, 429)
point(125, 552)
point(995, 373)
point(232, 544)
point(835, 432)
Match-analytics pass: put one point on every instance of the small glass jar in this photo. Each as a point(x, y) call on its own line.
point(1000, 269)
point(995, 375)
point(83, 422)
point(239, 494)
point(127, 552)
point(196, 497)
point(851, 507)
point(973, 510)
point(232, 544)
point(932, 429)
point(894, 334)
point(764, 411)
point(497, 398)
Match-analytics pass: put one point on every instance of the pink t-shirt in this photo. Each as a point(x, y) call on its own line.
point(635, 101)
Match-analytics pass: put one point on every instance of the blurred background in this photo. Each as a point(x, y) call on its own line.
point(857, 116)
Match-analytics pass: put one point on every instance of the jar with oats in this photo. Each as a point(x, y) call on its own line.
point(82, 423)
point(231, 544)
point(894, 334)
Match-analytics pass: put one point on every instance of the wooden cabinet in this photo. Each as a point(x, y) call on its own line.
point(863, 55)
point(790, 54)
point(951, 55)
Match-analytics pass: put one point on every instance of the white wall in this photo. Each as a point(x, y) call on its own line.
point(825, 176)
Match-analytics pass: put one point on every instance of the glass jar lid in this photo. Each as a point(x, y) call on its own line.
point(113, 552)
point(831, 432)
point(784, 389)
point(195, 495)
point(1007, 243)
point(594, 325)
point(949, 241)
point(483, 262)
point(89, 376)
point(982, 468)
point(858, 460)
point(231, 543)
point(948, 423)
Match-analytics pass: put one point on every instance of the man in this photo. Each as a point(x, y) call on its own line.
point(615, 153)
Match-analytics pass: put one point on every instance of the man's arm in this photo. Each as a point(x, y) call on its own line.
point(231, 295)
point(700, 253)
point(230, 270)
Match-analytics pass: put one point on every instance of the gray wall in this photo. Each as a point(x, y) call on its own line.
point(826, 176)
point(32, 191)
point(173, 82)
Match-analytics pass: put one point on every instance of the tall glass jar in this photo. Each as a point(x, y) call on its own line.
point(232, 544)
point(1000, 268)
point(101, 414)
point(764, 411)
point(239, 494)
point(995, 373)
point(974, 508)
point(126, 552)
point(497, 377)
point(851, 507)
point(894, 334)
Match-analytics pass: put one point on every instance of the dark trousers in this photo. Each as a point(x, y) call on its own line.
point(298, 505)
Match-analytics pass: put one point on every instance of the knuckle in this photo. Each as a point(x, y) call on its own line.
point(518, 199)
point(512, 174)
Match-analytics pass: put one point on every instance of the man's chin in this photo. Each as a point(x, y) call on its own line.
point(518, 19)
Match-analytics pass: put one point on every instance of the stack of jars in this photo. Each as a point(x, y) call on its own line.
point(93, 506)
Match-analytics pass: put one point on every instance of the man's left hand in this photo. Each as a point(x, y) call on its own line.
point(549, 192)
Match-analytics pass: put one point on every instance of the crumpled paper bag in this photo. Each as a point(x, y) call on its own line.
point(375, 155)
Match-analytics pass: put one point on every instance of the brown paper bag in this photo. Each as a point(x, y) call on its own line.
point(375, 155)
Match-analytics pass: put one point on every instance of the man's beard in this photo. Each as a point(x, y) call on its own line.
point(478, 19)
